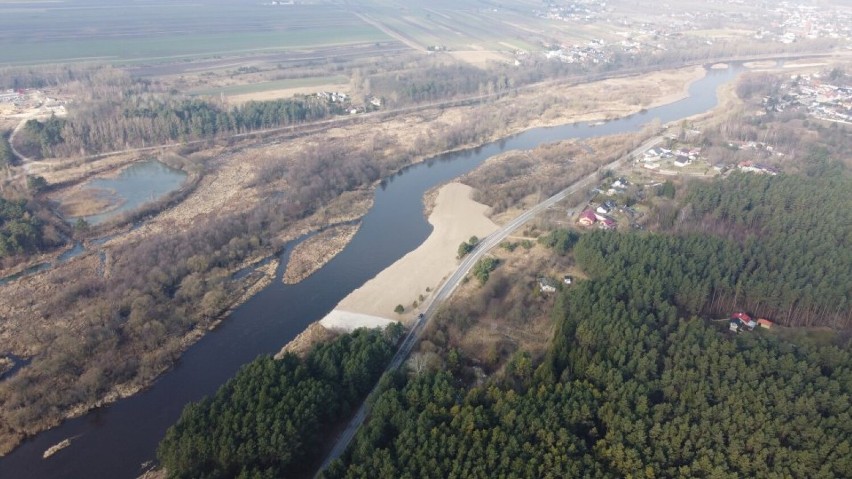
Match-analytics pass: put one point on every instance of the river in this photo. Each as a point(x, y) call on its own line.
point(114, 441)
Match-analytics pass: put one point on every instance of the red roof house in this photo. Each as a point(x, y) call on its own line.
point(587, 218)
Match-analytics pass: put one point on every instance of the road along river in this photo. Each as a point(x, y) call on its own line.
point(116, 441)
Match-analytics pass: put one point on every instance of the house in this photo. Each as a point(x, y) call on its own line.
point(653, 153)
point(546, 285)
point(607, 224)
point(567, 279)
point(587, 218)
point(681, 161)
point(744, 320)
point(603, 209)
point(765, 323)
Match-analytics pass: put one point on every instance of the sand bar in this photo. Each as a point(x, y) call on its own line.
point(455, 218)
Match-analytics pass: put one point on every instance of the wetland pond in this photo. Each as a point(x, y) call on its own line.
point(133, 187)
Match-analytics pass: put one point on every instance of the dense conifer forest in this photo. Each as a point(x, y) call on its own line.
point(271, 419)
point(795, 237)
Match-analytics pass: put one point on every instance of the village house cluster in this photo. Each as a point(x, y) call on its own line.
point(797, 21)
point(576, 11)
point(15, 101)
point(787, 22)
point(824, 96)
point(654, 157)
point(10, 96)
point(593, 52)
point(602, 213)
point(343, 102)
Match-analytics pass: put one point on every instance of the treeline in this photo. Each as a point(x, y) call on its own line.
point(271, 419)
point(629, 388)
point(144, 119)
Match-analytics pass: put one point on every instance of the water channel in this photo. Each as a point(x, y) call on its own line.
point(114, 441)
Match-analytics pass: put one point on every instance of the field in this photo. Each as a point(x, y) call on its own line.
point(459, 26)
point(127, 31)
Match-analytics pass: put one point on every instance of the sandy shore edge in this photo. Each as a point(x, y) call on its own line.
point(414, 277)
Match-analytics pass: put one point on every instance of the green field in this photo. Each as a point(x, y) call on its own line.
point(271, 85)
point(126, 31)
point(459, 25)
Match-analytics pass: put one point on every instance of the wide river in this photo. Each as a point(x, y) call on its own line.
point(113, 442)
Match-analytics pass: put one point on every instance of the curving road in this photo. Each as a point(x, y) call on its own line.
point(449, 286)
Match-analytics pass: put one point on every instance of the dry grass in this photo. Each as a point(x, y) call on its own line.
point(508, 313)
point(313, 253)
point(86, 202)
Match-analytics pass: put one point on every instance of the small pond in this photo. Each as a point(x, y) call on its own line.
point(136, 185)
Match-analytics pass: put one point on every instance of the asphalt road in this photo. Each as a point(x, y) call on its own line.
point(449, 286)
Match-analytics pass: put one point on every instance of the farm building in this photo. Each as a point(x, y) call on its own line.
point(765, 323)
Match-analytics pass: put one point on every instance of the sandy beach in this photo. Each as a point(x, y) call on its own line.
point(455, 218)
